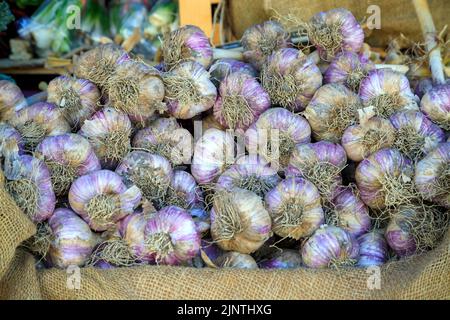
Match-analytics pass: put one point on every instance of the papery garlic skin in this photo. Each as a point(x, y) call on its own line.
point(116, 200)
point(10, 141)
point(189, 90)
point(333, 108)
point(250, 226)
point(337, 26)
point(373, 249)
point(277, 127)
point(422, 87)
point(387, 91)
point(183, 191)
point(431, 174)
point(222, 68)
point(236, 260)
point(137, 90)
point(131, 229)
point(171, 236)
point(383, 177)
point(330, 246)
point(38, 121)
point(361, 140)
point(290, 78)
point(98, 64)
point(416, 135)
point(29, 184)
point(348, 68)
point(286, 259)
point(78, 99)
point(187, 43)
point(252, 173)
point(415, 229)
point(295, 208)
point(109, 133)
point(260, 40)
point(436, 105)
point(165, 137)
point(350, 213)
point(240, 102)
point(321, 163)
point(151, 173)
point(11, 100)
point(69, 151)
point(213, 153)
point(72, 240)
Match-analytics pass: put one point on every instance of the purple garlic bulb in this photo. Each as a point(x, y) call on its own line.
point(330, 246)
point(290, 78)
point(373, 249)
point(241, 101)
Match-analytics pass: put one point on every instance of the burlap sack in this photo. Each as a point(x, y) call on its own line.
point(397, 16)
point(422, 277)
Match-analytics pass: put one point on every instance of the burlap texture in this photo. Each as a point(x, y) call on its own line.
point(422, 277)
point(396, 16)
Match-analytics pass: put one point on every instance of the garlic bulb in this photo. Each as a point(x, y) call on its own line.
point(72, 240)
point(11, 100)
point(436, 105)
point(222, 68)
point(251, 173)
point(131, 243)
point(184, 44)
point(373, 249)
point(285, 259)
point(275, 134)
point(415, 135)
point(151, 173)
point(28, 182)
point(388, 92)
point(183, 191)
point(384, 179)
point(240, 102)
point(349, 212)
point(109, 133)
point(38, 121)
point(361, 140)
point(189, 90)
point(67, 156)
point(334, 31)
point(260, 40)
point(333, 108)
point(432, 175)
point(137, 90)
point(236, 260)
point(213, 153)
point(98, 65)
point(171, 237)
point(165, 137)
point(348, 68)
point(295, 208)
point(77, 99)
point(239, 221)
point(321, 163)
point(330, 246)
point(413, 230)
point(290, 78)
point(10, 141)
point(101, 198)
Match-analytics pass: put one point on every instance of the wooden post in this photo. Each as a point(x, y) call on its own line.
point(198, 13)
point(429, 33)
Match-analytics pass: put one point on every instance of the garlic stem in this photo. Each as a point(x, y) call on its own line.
point(430, 35)
point(224, 53)
point(395, 67)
